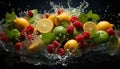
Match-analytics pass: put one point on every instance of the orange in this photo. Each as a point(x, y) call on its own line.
point(21, 23)
point(71, 45)
point(44, 25)
point(104, 25)
point(90, 26)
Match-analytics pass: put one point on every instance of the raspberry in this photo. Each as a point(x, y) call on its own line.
point(47, 15)
point(70, 29)
point(56, 43)
point(60, 51)
point(84, 44)
point(50, 48)
point(60, 11)
point(4, 38)
point(30, 29)
point(22, 34)
point(30, 13)
point(79, 38)
point(110, 31)
point(86, 34)
point(18, 45)
point(74, 18)
point(78, 25)
point(30, 36)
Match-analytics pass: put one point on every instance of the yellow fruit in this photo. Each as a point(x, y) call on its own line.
point(44, 25)
point(21, 23)
point(104, 25)
point(90, 26)
point(52, 17)
point(61, 18)
point(71, 45)
point(35, 46)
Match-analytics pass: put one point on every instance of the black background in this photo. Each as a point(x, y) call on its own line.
point(98, 6)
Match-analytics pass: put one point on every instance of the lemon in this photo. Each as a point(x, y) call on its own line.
point(90, 26)
point(61, 18)
point(35, 46)
point(44, 25)
point(52, 18)
point(21, 23)
point(104, 25)
point(71, 45)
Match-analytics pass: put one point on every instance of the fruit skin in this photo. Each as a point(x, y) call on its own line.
point(50, 48)
point(84, 44)
point(103, 37)
point(30, 29)
point(71, 44)
point(18, 45)
point(110, 31)
point(30, 13)
point(15, 33)
point(59, 30)
point(74, 18)
point(104, 25)
point(86, 34)
point(70, 29)
point(60, 11)
point(78, 25)
point(79, 38)
point(61, 51)
point(21, 23)
point(56, 44)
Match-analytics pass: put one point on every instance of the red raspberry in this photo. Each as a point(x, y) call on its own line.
point(4, 38)
point(110, 31)
point(60, 11)
point(50, 48)
point(30, 13)
point(30, 36)
point(74, 18)
point(56, 43)
point(79, 38)
point(86, 34)
point(47, 15)
point(30, 29)
point(70, 29)
point(22, 34)
point(60, 51)
point(84, 44)
point(78, 25)
point(18, 45)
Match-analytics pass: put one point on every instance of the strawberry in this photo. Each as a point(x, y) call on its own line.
point(110, 31)
point(60, 51)
point(50, 48)
point(78, 25)
point(86, 34)
point(70, 29)
point(74, 18)
point(30, 29)
point(30, 13)
point(79, 38)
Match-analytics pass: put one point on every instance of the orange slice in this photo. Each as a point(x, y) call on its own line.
point(90, 26)
point(44, 25)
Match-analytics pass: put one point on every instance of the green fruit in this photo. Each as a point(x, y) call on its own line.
point(59, 30)
point(76, 32)
point(14, 33)
point(102, 37)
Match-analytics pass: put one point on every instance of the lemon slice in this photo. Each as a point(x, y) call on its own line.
point(90, 26)
point(44, 25)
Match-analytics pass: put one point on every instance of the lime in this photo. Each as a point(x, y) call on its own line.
point(14, 33)
point(59, 30)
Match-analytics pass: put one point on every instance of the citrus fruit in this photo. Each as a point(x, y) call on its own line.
point(103, 37)
point(44, 25)
point(61, 18)
point(71, 44)
point(90, 27)
point(21, 23)
point(104, 25)
point(52, 18)
point(59, 30)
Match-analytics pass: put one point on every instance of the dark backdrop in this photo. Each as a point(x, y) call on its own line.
point(99, 6)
